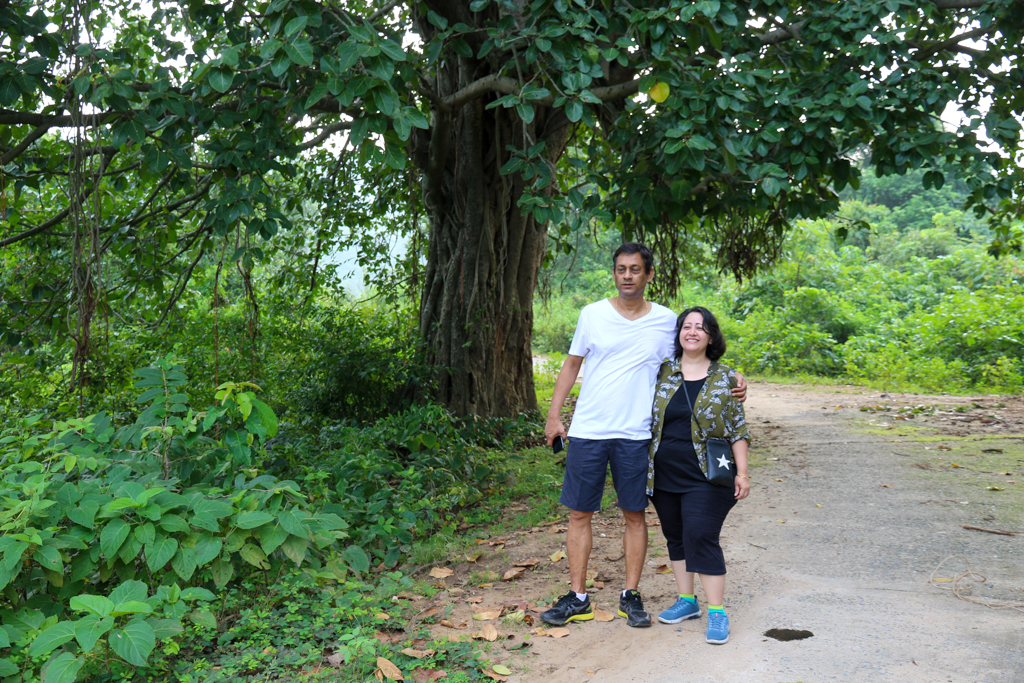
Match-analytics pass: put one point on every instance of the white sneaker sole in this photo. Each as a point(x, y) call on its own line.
point(680, 619)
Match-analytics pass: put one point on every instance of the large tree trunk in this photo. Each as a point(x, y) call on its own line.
point(484, 255)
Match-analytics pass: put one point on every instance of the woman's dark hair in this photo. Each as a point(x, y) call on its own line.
point(716, 347)
point(635, 248)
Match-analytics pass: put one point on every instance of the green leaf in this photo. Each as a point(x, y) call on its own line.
point(291, 521)
point(220, 78)
point(197, 594)
point(574, 110)
point(134, 642)
point(222, 570)
point(84, 514)
point(317, 94)
point(112, 536)
point(165, 628)
point(356, 558)
point(295, 25)
point(93, 604)
point(207, 549)
point(9, 91)
point(184, 563)
point(295, 548)
point(251, 520)
point(203, 617)
point(5, 640)
point(49, 557)
point(271, 537)
point(7, 668)
point(300, 52)
point(52, 638)
point(90, 629)
point(267, 416)
point(160, 552)
point(63, 668)
point(146, 533)
point(131, 607)
point(254, 556)
point(129, 590)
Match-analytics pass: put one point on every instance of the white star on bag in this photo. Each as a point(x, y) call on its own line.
point(723, 462)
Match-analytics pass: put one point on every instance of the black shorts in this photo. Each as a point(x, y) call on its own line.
point(586, 465)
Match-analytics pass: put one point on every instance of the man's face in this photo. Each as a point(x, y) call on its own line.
point(630, 277)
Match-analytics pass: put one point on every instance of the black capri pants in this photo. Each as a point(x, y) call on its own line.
point(692, 522)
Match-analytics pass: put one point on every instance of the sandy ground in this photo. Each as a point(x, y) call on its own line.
point(840, 536)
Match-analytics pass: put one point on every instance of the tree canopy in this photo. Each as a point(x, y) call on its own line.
point(138, 139)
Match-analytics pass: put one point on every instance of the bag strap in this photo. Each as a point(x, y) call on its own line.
point(693, 414)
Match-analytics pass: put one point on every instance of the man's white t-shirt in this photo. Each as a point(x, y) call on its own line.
point(623, 357)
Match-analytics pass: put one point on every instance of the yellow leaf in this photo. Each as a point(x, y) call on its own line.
point(660, 92)
point(942, 580)
point(663, 569)
point(539, 632)
point(390, 671)
point(474, 557)
point(441, 572)
point(487, 615)
point(501, 669)
point(557, 555)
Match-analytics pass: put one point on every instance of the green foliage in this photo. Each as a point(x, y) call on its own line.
point(102, 525)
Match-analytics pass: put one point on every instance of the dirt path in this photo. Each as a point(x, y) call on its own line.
point(846, 522)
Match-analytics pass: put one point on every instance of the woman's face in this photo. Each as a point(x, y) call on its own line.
point(692, 336)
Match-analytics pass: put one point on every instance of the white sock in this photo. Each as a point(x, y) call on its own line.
point(624, 592)
point(580, 596)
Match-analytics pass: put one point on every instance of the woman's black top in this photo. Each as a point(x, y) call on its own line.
point(675, 464)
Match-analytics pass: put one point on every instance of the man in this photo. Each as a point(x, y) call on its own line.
point(624, 340)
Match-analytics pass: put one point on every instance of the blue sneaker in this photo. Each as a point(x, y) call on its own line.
point(718, 628)
point(682, 610)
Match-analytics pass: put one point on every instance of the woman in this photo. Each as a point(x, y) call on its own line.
point(692, 509)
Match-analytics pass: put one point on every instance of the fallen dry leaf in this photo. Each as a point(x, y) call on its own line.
point(475, 598)
point(383, 615)
point(493, 675)
point(663, 569)
point(653, 522)
point(474, 557)
point(487, 615)
point(501, 669)
point(528, 619)
point(427, 613)
point(445, 622)
point(455, 592)
point(539, 632)
point(421, 675)
point(516, 616)
point(417, 654)
point(601, 615)
point(537, 608)
point(389, 670)
point(531, 562)
point(405, 595)
point(335, 660)
point(558, 632)
point(389, 637)
point(441, 572)
point(598, 584)
point(480, 541)
point(513, 573)
point(557, 555)
point(488, 633)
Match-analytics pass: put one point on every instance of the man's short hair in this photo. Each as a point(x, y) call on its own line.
point(635, 248)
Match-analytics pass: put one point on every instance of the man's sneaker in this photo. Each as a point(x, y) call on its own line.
point(718, 628)
point(631, 606)
point(682, 610)
point(568, 608)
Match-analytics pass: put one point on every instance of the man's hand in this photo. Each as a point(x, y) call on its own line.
point(740, 390)
point(554, 428)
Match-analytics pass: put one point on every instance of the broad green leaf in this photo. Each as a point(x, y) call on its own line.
point(291, 521)
point(129, 590)
point(5, 640)
point(254, 556)
point(184, 563)
point(49, 557)
point(131, 607)
point(295, 25)
point(356, 558)
point(207, 549)
point(295, 548)
point(197, 594)
point(112, 536)
point(52, 638)
point(90, 629)
point(251, 520)
point(271, 537)
point(93, 604)
point(300, 52)
point(84, 514)
point(7, 668)
point(134, 642)
point(63, 668)
point(203, 617)
point(165, 628)
point(146, 533)
point(220, 78)
point(222, 570)
point(160, 552)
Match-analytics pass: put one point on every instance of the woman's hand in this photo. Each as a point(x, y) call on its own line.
point(739, 392)
point(742, 487)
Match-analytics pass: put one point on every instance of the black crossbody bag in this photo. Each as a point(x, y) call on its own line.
point(719, 452)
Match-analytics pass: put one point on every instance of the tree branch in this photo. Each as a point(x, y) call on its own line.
point(326, 133)
point(960, 4)
point(510, 86)
point(952, 43)
point(24, 144)
point(790, 32)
